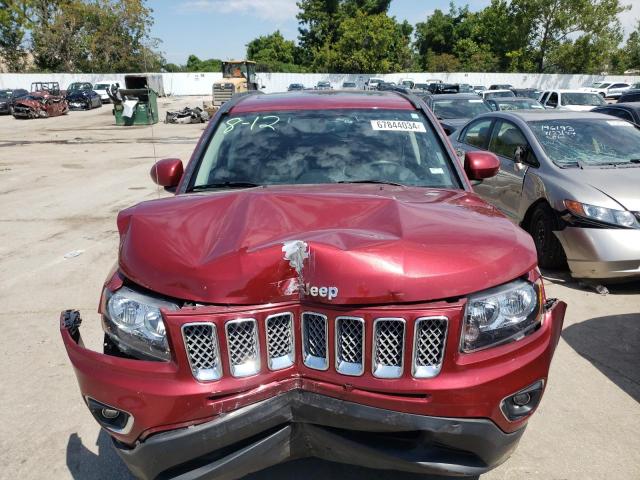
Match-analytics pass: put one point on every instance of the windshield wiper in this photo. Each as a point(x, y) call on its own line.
point(381, 182)
point(210, 186)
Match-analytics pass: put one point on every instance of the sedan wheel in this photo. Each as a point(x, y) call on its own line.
point(543, 223)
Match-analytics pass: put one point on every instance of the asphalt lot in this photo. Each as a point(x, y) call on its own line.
point(62, 182)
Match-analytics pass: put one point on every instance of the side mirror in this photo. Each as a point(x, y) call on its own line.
point(167, 173)
point(481, 165)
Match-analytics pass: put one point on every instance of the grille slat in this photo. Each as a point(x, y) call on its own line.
point(428, 346)
point(280, 341)
point(314, 339)
point(388, 347)
point(243, 347)
point(203, 352)
point(349, 337)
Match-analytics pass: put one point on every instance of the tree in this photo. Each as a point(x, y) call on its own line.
point(12, 22)
point(368, 44)
point(194, 64)
point(474, 57)
point(554, 22)
point(273, 53)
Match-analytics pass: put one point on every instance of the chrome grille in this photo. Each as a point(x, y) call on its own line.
point(349, 337)
point(314, 340)
point(388, 347)
point(203, 353)
point(244, 350)
point(428, 346)
point(280, 344)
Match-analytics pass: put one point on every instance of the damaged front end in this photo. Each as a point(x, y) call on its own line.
point(30, 109)
point(234, 389)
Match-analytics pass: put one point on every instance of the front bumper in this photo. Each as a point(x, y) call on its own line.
point(300, 424)
point(601, 253)
point(426, 425)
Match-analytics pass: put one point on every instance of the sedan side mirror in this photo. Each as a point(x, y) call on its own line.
point(481, 165)
point(167, 173)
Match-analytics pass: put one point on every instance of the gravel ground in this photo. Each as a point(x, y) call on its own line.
point(64, 179)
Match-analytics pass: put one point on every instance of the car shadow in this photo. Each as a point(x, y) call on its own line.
point(83, 464)
point(562, 277)
point(317, 469)
point(612, 345)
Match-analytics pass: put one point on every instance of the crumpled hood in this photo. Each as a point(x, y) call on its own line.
point(621, 184)
point(35, 104)
point(368, 244)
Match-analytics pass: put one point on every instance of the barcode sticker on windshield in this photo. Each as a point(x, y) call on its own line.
point(398, 126)
point(619, 123)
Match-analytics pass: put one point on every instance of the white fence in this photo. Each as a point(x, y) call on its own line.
point(200, 83)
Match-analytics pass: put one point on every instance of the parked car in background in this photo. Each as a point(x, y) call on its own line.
point(630, 96)
point(407, 82)
point(514, 103)
point(433, 80)
point(571, 180)
point(626, 111)
point(80, 96)
point(444, 88)
point(104, 86)
point(497, 94)
point(44, 100)
point(372, 83)
point(465, 88)
point(479, 89)
point(421, 86)
point(387, 86)
point(608, 89)
point(323, 85)
point(295, 86)
point(349, 86)
point(527, 92)
point(575, 100)
point(324, 283)
point(455, 110)
point(501, 86)
point(8, 98)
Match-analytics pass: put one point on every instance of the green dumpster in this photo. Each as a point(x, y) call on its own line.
point(139, 104)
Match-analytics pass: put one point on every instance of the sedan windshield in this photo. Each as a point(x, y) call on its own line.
point(101, 86)
point(467, 108)
point(524, 104)
point(582, 99)
point(325, 146)
point(502, 94)
point(589, 142)
point(5, 93)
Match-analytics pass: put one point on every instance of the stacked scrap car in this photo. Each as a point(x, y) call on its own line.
point(45, 100)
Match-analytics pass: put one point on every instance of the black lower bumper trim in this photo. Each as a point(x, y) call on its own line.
point(301, 424)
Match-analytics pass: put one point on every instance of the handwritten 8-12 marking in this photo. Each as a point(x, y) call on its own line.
point(269, 122)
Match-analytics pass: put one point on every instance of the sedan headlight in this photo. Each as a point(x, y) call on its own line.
point(500, 315)
point(133, 320)
point(622, 218)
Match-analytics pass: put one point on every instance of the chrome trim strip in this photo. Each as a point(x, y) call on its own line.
point(316, 363)
point(424, 371)
point(349, 368)
point(386, 371)
point(210, 374)
point(246, 369)
point(285, 361)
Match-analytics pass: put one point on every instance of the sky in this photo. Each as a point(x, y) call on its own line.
point(222, 28)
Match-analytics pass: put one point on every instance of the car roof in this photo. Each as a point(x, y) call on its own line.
point(322, 100)
point(511, 99)
point(568, 90)
point(626, 105)
point(457, 96)
point(534, 115)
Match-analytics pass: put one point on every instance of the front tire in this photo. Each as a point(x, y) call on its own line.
point(549, 249)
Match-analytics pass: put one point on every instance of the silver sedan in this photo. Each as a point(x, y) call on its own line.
point(572, 180)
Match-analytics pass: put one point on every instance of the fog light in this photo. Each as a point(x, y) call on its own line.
point(521, 404)
point(111, 418)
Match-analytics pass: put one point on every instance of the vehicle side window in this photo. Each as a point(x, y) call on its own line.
point(477, 134)
point(553, 100)
point(505, 139)
point(619, 85)
point(617, 112)
point(543, 100)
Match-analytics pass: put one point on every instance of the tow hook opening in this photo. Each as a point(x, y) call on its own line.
point(522, 403)
point(111, 418)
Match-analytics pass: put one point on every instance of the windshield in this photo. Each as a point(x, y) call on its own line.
point(582, 99)
point(326, 146)
point(467, 108)
point(588, 141)
point(234, 70)
point(101, 86)
point(524, 104)
point(79, 86)
point(5, 94)
point(504, 94)
point(600, 85)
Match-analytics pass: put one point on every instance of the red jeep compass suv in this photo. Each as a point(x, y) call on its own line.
point(323, 283)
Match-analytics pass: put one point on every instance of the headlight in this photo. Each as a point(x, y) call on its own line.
point(621, 218)
point(133, 320)
point(500, 315)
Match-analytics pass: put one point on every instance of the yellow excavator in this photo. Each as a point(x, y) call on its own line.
point(238, 76)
